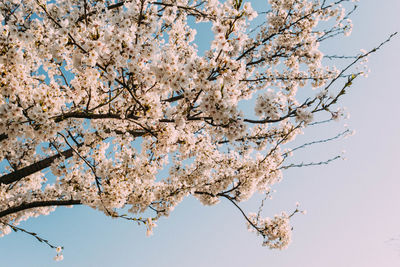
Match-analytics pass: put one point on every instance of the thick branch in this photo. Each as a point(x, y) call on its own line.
point(84, 115)
point(3, 137)
point(35, 167)
point(45, 163)
point(39, 204)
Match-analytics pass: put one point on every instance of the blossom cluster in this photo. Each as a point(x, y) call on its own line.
point(99, 99)
point(277, 231)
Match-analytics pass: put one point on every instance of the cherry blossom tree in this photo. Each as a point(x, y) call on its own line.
point(112, 105)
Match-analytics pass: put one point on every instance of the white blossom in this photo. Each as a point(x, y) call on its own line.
point(109, 99)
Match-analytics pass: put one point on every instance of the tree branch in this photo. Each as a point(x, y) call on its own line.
point(39, 204)
point(35, 235)
point(35, 167)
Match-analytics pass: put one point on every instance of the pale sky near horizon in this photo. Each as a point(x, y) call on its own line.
point(353, 213)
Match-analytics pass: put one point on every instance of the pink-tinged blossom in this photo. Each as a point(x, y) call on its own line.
point(106, 97)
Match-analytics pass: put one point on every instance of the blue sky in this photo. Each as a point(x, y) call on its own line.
point(353, 216)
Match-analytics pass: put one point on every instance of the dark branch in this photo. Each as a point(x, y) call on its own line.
point(35, 167)
point(35, 235)
point(39, 204)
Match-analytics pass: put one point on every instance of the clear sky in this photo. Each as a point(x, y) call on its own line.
point(353, 214)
